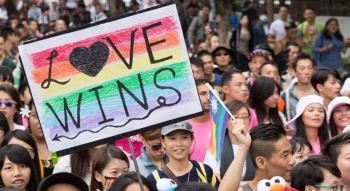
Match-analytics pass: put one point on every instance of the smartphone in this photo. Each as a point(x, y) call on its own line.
point(212, 26)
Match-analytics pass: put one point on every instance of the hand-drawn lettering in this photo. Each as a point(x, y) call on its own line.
point(122, 87)
point(150, 44)
point(90, 61)
point(105, 120)
point(46, 83)
point(161, 100)
point(67, 110)
point(131, 54)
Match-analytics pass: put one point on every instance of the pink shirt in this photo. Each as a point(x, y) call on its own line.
point(202, 133)
point(316, 147)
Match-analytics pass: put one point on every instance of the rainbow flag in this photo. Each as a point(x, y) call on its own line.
point(220, 115)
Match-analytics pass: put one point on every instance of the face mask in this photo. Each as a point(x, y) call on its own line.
point(263, 18)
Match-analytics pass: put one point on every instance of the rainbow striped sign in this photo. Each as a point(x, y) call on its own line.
point(111, 78)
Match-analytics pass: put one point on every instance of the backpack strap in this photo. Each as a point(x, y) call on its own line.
point(156, 176)
point(170, 174)
point(201, 173)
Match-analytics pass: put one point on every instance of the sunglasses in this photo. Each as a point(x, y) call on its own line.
point(7, 102)
point(155, 147)
point(222, 54)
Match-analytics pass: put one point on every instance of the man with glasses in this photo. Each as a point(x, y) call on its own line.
point(152, 153)
point(317, 173)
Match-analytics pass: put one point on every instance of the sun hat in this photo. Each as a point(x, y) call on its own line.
point(336, 102)
point(301, 106)
point(184, 125)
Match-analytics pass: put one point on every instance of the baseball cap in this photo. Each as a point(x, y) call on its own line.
point(184, 125)
point(301, 106)
point(336, 102)
point(63, 178)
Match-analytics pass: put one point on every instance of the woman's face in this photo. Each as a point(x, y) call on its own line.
point(113, 170)
point(15, 141)
point(34, 124)
point(7, 106)
point(244, 20)
point(303, 154)
point(177, 144)
point(243, 114)
point(15, 175)
point(332, 27)
point(271, 102)
point(341, 116)
point(313, 116)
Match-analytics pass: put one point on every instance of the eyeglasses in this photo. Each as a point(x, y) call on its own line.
point(221, 54)
point(155, 147)
point(7, 102)
point(333, 188)
point(244, 118)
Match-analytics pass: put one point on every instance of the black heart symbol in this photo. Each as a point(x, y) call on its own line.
point(90, 61)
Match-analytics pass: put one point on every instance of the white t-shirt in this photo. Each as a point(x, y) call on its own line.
point(277, 29)
point(235, 151)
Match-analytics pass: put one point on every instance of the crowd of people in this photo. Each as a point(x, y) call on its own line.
point(283, 82)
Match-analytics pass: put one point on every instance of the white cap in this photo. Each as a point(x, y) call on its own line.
point(302, 104)
point(336, 102)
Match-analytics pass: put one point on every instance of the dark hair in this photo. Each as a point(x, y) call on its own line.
point(80, 163)
point(337, 34)
point(261, 90)
point(331, 124)
point(310, 172)
point(20, 155)
point(101, 160)
point(309, 8)
point(152, 134)
point(235, 106)
point(201, 82)
point(321, 76)
point(202, 53)
point(23, 85)
point(298, 144)
point(6, 74)
point(303, 56)
point(227, 76)
point(4, 126)
point(27, 138)
point(126, 179)
point(283, 5)
point(333, 146)
point(323, 133)
point(13, 93)
point(195, 186)
point(197, 62)
point(264, 137)
point(272, 63)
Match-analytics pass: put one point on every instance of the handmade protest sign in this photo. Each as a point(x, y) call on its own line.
point(110, 78)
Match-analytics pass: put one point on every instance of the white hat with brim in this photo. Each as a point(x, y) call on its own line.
point(302, 104)
point(336, 102)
